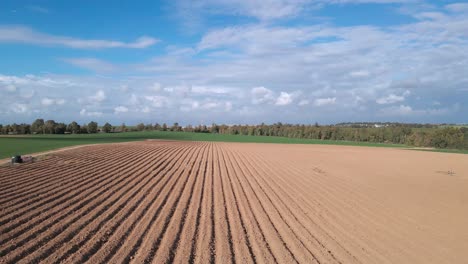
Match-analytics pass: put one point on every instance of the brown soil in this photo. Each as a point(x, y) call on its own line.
point(199, 202)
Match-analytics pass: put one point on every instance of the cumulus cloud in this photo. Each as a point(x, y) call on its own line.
point(19, 108)
point(158, 101)
point(120, 109)
point(22, 34)
point(359, 74)
point(262, 95)
point(87, 113)
point(98, 97)
point(390, 99)
point(155, 87)
point(324, 101)
point(284, 99)
point(47, 101)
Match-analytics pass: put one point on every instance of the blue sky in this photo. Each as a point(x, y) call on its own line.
point(226, 61)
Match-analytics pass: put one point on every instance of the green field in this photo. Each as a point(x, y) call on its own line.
point(11, 145)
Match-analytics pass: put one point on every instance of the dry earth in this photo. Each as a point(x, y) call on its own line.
point(203, 202)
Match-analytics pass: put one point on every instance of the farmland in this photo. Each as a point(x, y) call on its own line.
point(206, 202)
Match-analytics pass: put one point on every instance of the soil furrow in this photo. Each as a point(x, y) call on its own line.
point(124, 251)
point(64, 186)
point(47, 237)
point(101, 234)
point(62, 206)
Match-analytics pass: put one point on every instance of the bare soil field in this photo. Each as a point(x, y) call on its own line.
point(199, 202)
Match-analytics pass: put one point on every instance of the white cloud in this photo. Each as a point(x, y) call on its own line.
point(19, 108)
point(134, 100)
point(457, 7)
point(155, 87)
point(284, 99)
point(303, 102)
point(209, 105)
point(87, 113)
point(324, 101)
point(192, 11)
point(98, 97)
point(47, 101)
point(179, 90)
point(10, 88)
point(21, 34)
point(261, 95)
point(408, 111)
point(92, 64)
point(209, 90)
point(228, 106)
point(120, 109)
point(390, 99)
point(146, 110)
point(359, 74)
point(158, 101)
point(60, 101)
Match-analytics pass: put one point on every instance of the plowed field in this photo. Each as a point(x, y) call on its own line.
point(197, 202)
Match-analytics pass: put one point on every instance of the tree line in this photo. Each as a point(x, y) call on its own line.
point(39, 126)
point(410, 134)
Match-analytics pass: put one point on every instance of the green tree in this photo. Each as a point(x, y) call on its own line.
point(60, 128)
point(140, 127)
point(107, 128)
point(450, 137)
point(37, 126)
point(176, 127)
point(92, 127)
point(214, 128)
point(123, 128)
point(49, 127)
point(74, 128)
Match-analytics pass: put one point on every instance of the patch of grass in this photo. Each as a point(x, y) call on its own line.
point(11, 145)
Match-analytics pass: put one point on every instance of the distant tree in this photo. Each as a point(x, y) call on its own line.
point(23, 129)
point(92, 127)
point(74, 128)
point(84, 129)
point(107, 128)
point(215, 128)
point(450, 137)
point(140, 127)
point(123, 127)
point(157, 126)
point(148, 127)
point(164, 127)
point(49, 127)
point(60, 128)
point(188, 128)
point(176, 127)
point(38, 126)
